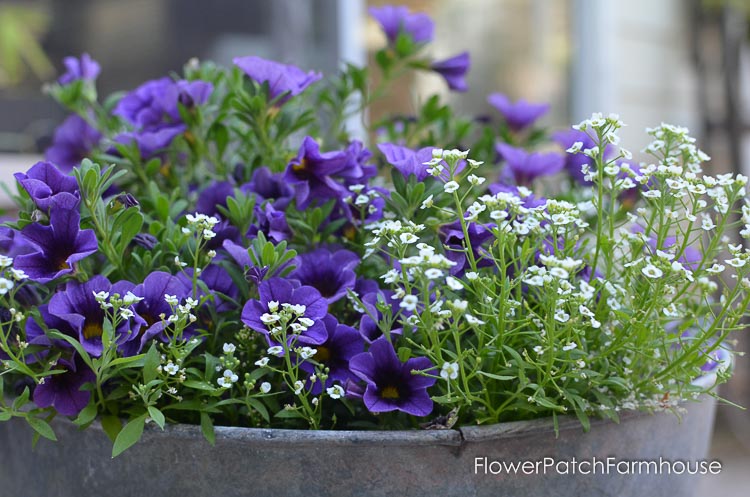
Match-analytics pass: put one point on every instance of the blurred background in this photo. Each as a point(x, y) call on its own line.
point(681, 61)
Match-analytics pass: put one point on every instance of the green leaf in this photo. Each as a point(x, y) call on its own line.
point(129, 435)
point(87, 415)
point(287, 414)
point(199, 385)
point(157, 416)
point(496, 376)
point(207, 427)
point(21, 400)
point(258, 406)
point(150, 364)
point(42, 427)
point(111, 426)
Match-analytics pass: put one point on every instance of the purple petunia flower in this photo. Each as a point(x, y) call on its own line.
point(453, 238)
point(269, 186)
point(59, 246)
point(153, 307)
point(391, 385)
point(79, 69)
point(519, 115)
point(368, 327)
point(311, 173)
point(397, 19)
point(343, 343)
point(63, 391)
point(284, 81)
point(274, 294)
point(219, 283)
point(271, 223)
point(214, 196)
point(331, 273)
point(72, 142)
point(574, 162)
point(527, 166)
point(454, 71)
point(77, 306)
point(406, 160)
point(44, 182)
point(153, 111)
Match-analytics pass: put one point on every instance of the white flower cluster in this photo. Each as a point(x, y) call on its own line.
point(362, 198)
point(180, 311)
point(286, 316)
point(10, 275)
point(201, 224)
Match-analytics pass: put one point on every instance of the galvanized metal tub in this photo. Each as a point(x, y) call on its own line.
point(266, 462)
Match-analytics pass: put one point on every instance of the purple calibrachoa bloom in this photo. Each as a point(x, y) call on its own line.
point(77, 305)
point(397, 19)
point(519, 115)
point(453, 238)
point(269, 186)
point(574, 162)
point(214, 196)
point(59, 246)
point(72, 142)
point(343, 343)
point(529, 199)
point(312, 172)
point(44, 182)
point(330, 272)
point(391, 385)
point(153, 111)
point(368, 327)
point(271, 223)
point(79, 69)
point(219, 283)
point(284, 81)
point(304, 304)
point(527, 166)
point(454, 70)
point(406, 160)
point(154, 309)
point(63, 390)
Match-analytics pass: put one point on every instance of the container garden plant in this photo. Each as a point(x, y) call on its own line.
point(213, 283)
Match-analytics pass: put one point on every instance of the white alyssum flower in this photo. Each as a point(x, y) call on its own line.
point(171, 368)
point(409, 302)
point(408, 238)
point(570, 346)
point(651, 271)
point(298, 386)
point(227, 379)
point(450, 187)
point(449, 371)
point(453, 283)
point(265, 387)
point(307, 352)
point(473, 321)
point(335, 392)
point(262, 362)
point(229, 348)
point(276, 350)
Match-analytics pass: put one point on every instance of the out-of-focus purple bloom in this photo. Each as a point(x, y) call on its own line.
point(79, 69)
point(214, 196)
point(454, 70)
point(153, 111)
point(453, 238)
point(220, 286)
point(44, 182)
point(406, 160)
point(154, 309)
point(398, 19)
point(574, 162)
point(269, 186)
point(331, 273)
point(258, 314)
point(72, 142)
point(271, 223)
point(63, 391)
point(527, 166)
point(145, 240)
point(59, 246)
point(284, 81)
point(690, 258)
point(311, 173)
point(343, 343)
point(530, 201)
point(368, 327)
point(13, 244)
point(391, 385)
point(77, 306)
point(357, 171)
point(519, 115)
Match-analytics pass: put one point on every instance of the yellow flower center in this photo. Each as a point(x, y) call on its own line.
point(91, 330)
point(323, 354)
point(389, 392)
point(298, 168)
